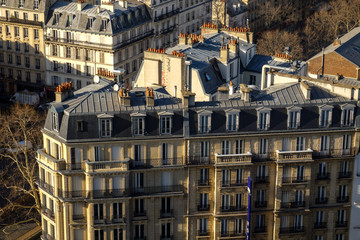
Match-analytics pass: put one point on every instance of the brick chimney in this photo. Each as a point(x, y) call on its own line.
point(81, 4)
point(150, 102)
point(124, 97)
point(63, 92)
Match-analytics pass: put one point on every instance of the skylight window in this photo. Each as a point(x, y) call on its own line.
point(207, 76)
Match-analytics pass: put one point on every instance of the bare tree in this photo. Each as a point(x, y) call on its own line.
point(20, 137)
point(273, 42)
point(218, 12)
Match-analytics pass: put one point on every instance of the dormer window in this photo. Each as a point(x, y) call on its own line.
point(69, 21)
point(103, 25)
point(56, 18)
point(204, 121)
point(232, 120)
point(294, 117)
point(347, 115)
point(165, 122)
point(36, 4)
point(138, 124)
point(263, 118)
point(105, 125)
point(3, 2)
point(21, 3)
point(90, 23)
point(325, 112)
point(55, 121)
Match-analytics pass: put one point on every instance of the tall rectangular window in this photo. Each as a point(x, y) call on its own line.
point(294, 117)
point(139, 231)
point(225, 147)
point(203, 225)
point(324, 144)
point(99, 234)
point(138, 126)
point(165, 124)
point(164, 153)
point(300, 143)
point(264, 120)
point(263, 148)
point(165, 230)
point(98, 211)
point(231, 122)
point(204, 176)
point(117, 210)
point(239, 146)
point(204, 201)
point(204, 123)
point(105, 127)
point(204, 151)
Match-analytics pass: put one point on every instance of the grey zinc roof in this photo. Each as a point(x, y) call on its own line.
point(258, 61)
point(349, 47)
point(117, 21)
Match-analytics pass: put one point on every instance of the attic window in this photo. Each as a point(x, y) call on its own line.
point(36, 4)
point(80, 126)
point(56, 18)
point(3, 2)
point(69, 20)
point(21, 3)
point(90, 23)
point(55, 121)
point(103, 25)
point(207, 76)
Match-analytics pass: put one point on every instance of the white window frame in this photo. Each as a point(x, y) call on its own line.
point(165, 122)
point(347, 115)
point(138, 124)
point(263, 118)
point(55, 121)
point(300, 143)
point(202, 115)
point(325, 115)
point(203, 225)
point(294, 115)
point(232, 120)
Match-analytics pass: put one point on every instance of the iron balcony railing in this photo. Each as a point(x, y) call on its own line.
point(234, 183)
point(296, 229)
point(232, 208)
point(262, 179)
point(48, 212)
point(203, 182)
point(341, 224)
point(156, 162)
point(232, 233)
point(48, 188)
point(203, 233)
point(203, 207)
point(166, 213)
point(342, 199)
point(140, 213)
point(321, 200)
point(320, 225)
point(335, 153)
point(260, 204)
point(78, 217)
point(22, 21)
point(345, 174)
point(259, 229)
point(323, 176)
point(302, 179)
point(295, 204)
point(166, 237)
point(166, 15)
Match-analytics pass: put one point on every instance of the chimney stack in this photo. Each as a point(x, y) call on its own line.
point(223, 93)
point(245, 92)
point(63, 92)
point(188, 98)
point(81, 4)
point(231, 88)
point(224, 53)
point(150, 102)
point(306, 90)
point(124, 97)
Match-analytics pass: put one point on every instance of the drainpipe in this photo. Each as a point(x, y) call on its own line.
point(263, 83)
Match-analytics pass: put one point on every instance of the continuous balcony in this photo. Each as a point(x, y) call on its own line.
point(21, 21)
point(342, 199)
point(344, 174)
point(320, 225)
point(294, 156)
point(234, 183)
point(166, 15)
point(286, 230)
point(198, 160)
point(296, 204)
point(47, 187)
point(106, 166)
point(48, 212)
point(335, 153)
point(262, 179)
point(293, 180)
point(233, 159)
point(232, 233)
point(156, 163)
point(232, 208)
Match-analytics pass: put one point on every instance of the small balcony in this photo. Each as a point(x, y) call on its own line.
point(232, 208)
point(294, 180)
point(140, 191)
point(118, 219)
point(72, 194)
point(341, 224)
point(342, 199)
point(203, 183)
point(234, 183)
point(345, 175)
point(166, 15)
point(262, 179)
point(238, 159)
point(294, 156)
point(50, 161)
point(203, 207)
point(48, 188)
point(108, 193)
point(260, 204)
point(47, 236)
point(320, 225)
point(287, 230)
point(48, 212)
point(166, 213)
point(140, 213)
point(78, 218)
point(259, 229)
point(321, 200)
point(296, 204)
point(203, 233)
point(323, 176)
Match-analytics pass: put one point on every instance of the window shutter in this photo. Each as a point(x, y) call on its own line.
point(298, 119)
point(330, 117)
point(351, 117)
